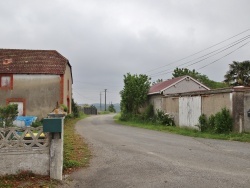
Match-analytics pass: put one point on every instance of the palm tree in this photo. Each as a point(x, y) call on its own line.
point(238, 74)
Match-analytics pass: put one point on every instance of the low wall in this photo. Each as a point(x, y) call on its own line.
point(24, 149)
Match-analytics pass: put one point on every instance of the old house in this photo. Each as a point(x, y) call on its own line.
point(36, 80)
point(176, 85)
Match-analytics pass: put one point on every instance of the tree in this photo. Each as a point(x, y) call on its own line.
point(198, 76)
point(111, 108)
point(238, 74)
point(134, 93)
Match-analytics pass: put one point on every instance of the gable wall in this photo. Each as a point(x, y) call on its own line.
point(184, 86)
point(67, 91)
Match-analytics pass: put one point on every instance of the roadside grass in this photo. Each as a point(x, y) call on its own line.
point(242, 137)
point(76, 153)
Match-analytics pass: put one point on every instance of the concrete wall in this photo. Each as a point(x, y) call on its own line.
point(41, 93)
point(156, 101)
point(171, 106)
point(185, 85)
point(35, 161)
point(213, 103)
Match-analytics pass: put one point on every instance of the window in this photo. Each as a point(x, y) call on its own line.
point(21, 103)
point(6, 81)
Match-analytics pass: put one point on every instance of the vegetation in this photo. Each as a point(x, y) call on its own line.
point(198, 76)
point(134, 93)
point(111, 108)
point(8, 114)
point(221, 122)
point(243, 137)
point(75, 109)
point(238, 74)
point(75, 152)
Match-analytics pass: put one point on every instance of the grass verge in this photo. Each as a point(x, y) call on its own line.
point(75, 152)
point(242, 137)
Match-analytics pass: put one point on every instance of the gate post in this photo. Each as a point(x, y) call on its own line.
point(55, 127)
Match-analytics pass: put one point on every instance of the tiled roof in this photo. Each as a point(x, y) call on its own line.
point(20, 61)
point(157, 88)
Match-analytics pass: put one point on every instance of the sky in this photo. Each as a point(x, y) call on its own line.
point(106, 39)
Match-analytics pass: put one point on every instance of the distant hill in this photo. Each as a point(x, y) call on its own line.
point(116, 105)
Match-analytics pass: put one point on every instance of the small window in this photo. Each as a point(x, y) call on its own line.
point(5, 81)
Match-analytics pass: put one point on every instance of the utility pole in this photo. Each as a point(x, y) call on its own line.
point(100, 101)
point(105, 90)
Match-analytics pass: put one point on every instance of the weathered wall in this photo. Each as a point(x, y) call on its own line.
point(246, 122)
point(238, 111)
point(41, 93)
point(213, 103)
point(67, 90)
point(156, 101)
point(35, 161)
point(184, 86)
point(171, 105)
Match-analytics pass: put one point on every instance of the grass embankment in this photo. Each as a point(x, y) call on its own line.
point(242, 137)
point(76, 155)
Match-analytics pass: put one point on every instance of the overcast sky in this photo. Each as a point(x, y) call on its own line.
point(105, 39)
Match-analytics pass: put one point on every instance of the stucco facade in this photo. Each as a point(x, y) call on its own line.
point(36, 80)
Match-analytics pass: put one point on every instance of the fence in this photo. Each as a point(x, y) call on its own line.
point(29, 149)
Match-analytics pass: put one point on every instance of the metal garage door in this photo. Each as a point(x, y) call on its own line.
point(189, 111)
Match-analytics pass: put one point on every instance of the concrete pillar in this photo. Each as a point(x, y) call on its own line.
point(56, 155)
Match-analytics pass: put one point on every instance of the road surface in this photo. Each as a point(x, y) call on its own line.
point(125, 157)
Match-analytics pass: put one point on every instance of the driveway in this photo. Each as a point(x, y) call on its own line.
point(125, 156)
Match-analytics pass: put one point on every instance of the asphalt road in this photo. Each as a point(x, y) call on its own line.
point(125, 156)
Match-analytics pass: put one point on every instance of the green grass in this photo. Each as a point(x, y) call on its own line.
point(104, 112)
point(76, 153)
point(243, 137)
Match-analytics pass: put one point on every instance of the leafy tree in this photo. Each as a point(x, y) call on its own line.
point(8, 114)
point(134, 93)
point(111, 108)
point(238, 74)
point(198, 76)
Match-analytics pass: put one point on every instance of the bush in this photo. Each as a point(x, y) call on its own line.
point(8, 114)
point(203, 123)
point(164, 119)
point(36, 124)
point(223, 122)
point(148, 114)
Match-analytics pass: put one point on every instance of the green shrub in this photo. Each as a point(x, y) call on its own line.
point(8, 114)
point(164, 119)
point(203, 123)
point(148, 114)
point(36, 124)
point(223, 122)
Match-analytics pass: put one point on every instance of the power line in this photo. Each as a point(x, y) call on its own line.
point(213, 54)
point(199, 51)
